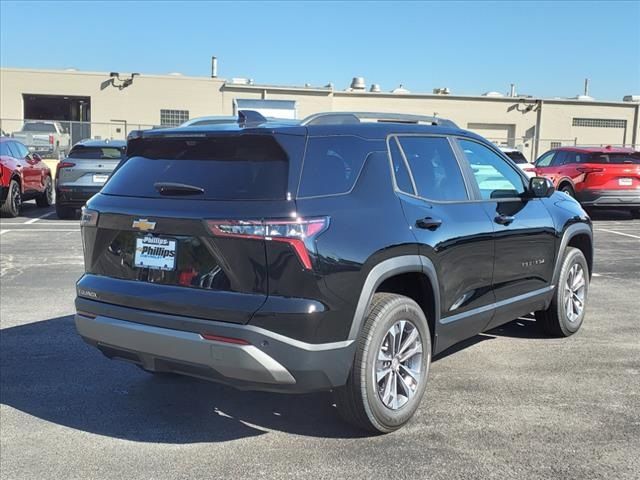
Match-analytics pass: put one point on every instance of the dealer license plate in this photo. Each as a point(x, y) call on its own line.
point(156, 253)
point(625, 182)
point(100, 178)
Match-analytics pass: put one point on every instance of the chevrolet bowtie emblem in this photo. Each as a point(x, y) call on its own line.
point(143, 224)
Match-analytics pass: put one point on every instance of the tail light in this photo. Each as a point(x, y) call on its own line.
point(590, 169)
point(297, 233)
point(50, 139)
point(61, 165)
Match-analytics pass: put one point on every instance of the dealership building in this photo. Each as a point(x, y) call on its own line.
point(110, 104)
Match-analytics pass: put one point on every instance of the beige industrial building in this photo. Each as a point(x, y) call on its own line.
point(108, 105)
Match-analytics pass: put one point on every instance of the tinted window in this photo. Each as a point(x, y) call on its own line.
point(332, 164)
point(400, 168)
point(20, 150)
point(495, 177)
point(545, 160)
point(434, 168)
point(244, 167)
point(4, 149)
point(517, 157)
point(39, 127)
point(615, 158)
point(97, 153)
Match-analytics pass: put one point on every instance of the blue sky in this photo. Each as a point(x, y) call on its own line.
point(545, 48)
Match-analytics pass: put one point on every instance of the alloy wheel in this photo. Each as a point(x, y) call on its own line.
point(398, 369)
point(574, 291)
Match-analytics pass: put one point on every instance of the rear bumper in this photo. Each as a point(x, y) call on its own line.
point(609, 198)
point(74, 196)
point(269, 361)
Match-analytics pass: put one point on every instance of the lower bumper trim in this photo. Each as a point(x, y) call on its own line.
point(155, 348)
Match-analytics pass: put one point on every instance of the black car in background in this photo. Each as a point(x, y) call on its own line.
point(340, 253)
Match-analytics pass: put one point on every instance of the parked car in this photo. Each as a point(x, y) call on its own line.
point(520, 160)
point(23, 176)
point(44, 137)
point(209, 120)
point(335, 254)
point(83, 173)
point(596, 177)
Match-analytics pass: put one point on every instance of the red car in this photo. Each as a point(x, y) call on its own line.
point(596, 177)
point(23, 176)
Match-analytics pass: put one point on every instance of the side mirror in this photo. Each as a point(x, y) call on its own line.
point(541, 187)
point(36, 157)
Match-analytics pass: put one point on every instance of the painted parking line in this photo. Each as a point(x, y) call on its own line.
point(618, 233)
point(34, 220)
point(2, 232)
point(33, 230)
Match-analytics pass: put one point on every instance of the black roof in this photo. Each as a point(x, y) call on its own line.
point(366, 129)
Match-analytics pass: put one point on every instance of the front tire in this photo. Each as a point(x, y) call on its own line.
point(13, 203)
point(565, 315)
point(635, 212)
point(391, 366)
point(45, 199)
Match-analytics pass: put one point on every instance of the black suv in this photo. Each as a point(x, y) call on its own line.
point(337, 253)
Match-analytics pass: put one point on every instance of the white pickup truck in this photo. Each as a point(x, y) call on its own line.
point(44, 137)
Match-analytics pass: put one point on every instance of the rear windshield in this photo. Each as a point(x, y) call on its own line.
point(97, 153)
point(242, 167)
point(615, 158)
point(517, 157)
point(39, 127)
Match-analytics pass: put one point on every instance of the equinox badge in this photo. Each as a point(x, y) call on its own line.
point(143, 224)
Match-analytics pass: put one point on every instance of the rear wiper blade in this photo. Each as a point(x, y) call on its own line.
point(170, 188)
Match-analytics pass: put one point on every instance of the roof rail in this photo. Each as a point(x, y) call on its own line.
point(339, 118)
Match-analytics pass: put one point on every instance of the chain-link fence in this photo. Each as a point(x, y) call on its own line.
point(54, 138)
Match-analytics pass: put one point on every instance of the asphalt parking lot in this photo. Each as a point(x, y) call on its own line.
point(506, 404)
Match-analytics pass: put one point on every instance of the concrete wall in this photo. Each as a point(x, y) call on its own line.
point(140, 105)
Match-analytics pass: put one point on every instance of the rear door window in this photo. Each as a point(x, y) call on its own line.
point(332, 164)
point(238, 167)
point(434, 168)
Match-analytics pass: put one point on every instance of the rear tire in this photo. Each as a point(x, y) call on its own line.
point(565, 315)
point(568, 189)
point(388, 379)
point(45, 199)
point(65, 213)
point(13, 203)
point(635, 212)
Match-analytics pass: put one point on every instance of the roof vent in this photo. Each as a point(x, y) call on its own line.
point(492, 94)
point(631, 98)
point(400, 89)
point(441, 91)
point(175, 74)
point(584, 98)
point(240, 81)
point(375, 88)
point(358, 83)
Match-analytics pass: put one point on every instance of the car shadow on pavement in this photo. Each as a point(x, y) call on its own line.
point(610, 214)
point(50, 373)
point(524, 327)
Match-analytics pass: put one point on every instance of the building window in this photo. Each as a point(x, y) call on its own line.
point(556, 144)
point(599, 122)
point(173, 118)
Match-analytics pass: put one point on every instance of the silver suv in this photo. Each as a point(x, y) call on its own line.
point(83, 173)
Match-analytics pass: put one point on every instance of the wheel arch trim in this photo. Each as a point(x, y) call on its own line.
point(569, 233)
point(387, 269)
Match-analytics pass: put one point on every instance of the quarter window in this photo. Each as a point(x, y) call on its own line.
point(495, 177)
point(400, 168)
point(434, 168)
